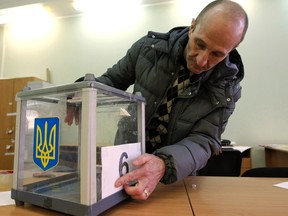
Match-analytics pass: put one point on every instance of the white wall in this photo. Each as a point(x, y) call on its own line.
point(70, 50)
point(261, 116)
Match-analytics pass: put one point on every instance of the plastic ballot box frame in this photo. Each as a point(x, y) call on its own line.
point(68, 167)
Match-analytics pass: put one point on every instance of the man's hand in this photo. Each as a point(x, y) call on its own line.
point(72, 113)
point(151, 170)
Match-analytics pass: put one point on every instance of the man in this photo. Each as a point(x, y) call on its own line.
point(190, 78)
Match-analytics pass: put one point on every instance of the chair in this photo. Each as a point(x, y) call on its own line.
point(228, 163)
point(276, 172)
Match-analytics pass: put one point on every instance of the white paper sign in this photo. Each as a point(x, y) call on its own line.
point(117, 161)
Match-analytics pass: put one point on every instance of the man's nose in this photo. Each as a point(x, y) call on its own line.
point(202, 59)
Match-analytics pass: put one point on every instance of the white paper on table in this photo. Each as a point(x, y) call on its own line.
point(239, 148)
point(110, 158)
point(282, 185)
point(5, 198)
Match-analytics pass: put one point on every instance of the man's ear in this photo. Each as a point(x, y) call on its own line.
point(192, 26)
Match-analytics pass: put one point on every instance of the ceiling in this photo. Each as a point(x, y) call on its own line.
point(59, 8)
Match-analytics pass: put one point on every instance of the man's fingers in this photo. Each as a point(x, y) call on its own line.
point(142, 159)
point(140, 191)
point(72, 113)
point(128, 179)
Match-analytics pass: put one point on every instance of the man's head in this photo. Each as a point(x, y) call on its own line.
point(218, 29)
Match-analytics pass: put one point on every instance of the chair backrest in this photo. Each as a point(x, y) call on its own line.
point(228, 163)
point(280, 172)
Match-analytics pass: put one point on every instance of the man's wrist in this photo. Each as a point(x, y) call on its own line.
point(170, 174)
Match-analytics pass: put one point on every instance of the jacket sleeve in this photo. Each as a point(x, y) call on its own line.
point(190, 154)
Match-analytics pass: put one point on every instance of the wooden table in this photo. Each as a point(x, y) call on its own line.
point(166, 200)
point(199, 195)
point(276, 155)
point(237, 196)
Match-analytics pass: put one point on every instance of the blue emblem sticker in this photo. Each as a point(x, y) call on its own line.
point(46, 142)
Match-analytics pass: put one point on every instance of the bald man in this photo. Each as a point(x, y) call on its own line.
point(190, 78)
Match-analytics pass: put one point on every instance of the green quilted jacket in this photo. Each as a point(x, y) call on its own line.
point(199, 116)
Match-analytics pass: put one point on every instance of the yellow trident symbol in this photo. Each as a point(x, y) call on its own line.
point(44, 149)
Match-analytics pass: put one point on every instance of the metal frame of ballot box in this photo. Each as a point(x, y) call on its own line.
point(68, 178)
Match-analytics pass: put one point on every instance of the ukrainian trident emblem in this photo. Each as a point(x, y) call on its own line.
point(46, 142)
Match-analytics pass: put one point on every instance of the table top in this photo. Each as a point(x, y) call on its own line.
point(201, 195)
point(278, 147)
point(29, 210)
point(165, 200)
point(237, 196)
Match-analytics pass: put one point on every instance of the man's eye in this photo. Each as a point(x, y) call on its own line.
point(200, 46)
point(218, 54)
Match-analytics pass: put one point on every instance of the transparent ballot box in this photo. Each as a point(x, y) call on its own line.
point(71, 166)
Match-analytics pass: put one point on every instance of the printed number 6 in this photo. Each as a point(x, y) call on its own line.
point(123, 164)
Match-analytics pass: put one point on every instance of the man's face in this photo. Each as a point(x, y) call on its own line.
point(209, 43)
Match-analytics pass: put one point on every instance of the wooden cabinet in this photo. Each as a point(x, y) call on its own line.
point(6, 154)
point(6, 107)
point(8, 89)
point(276, 155)
point(246, 161)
